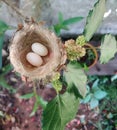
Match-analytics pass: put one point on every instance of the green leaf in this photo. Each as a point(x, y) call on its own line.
point(3, 27)
point(27, 96)
point(73, 89)
point(58, 27)
point(94, 103)
point(42, 102)
point(110, 116)
point(88, 88)
point(1, 44)
point(87, 98)
point(74, 75)
point(114, 78)
point(100, 94)
point(39, 101)
point(108, 48)
point(62, 24)
point(60, 111)
point(60, 17)
point(72, 20)
point(94, 19)
point(4, 84)
point(35, 108)
point(95, 85)
point(3, 81)
point(6, 69)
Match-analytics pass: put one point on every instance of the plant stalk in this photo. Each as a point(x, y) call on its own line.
point(35, 91)
point(18, 11)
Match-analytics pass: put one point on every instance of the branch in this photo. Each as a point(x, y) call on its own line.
point(7, 2)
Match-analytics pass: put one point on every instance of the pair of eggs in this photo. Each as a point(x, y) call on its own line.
point(34, 58)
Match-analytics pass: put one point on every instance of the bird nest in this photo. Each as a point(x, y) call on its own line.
point(30, 33)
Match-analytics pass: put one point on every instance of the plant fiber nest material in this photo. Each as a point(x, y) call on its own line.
point(21, 44)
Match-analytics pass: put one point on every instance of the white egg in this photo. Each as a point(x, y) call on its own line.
point(39, 49)
point(34, 59)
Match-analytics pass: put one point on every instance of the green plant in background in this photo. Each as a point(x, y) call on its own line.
point(63, 24)
point(94, 95)
point(3, 28)
point(90, 55)
point(7, 68)
point(108, 48)
point(3, 81)
point(94, 19)
point(108, 41)
point(107, 107)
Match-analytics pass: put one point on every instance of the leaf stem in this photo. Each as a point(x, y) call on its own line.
point(34, 90)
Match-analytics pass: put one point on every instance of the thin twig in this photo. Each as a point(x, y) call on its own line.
point(34, 90)
point(7, 2)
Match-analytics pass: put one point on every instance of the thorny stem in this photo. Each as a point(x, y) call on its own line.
point(7, 2)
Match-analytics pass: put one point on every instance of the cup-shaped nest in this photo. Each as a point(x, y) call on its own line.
point(33, 32)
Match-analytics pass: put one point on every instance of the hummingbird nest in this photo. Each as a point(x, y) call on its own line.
point(30, 33)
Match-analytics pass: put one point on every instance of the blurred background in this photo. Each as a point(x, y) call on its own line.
point(48, 10)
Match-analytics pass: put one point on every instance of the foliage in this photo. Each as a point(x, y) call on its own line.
point(27, 96)
point(3, 81)
point(39, 101)
point(63, 24)
point(3, 28)
point(108, 48)
point(75, 79)
point(111, 89)
point(94, 95)
point(107, 107)
point(59, 111)
point(94, 19)
point(1, 43)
